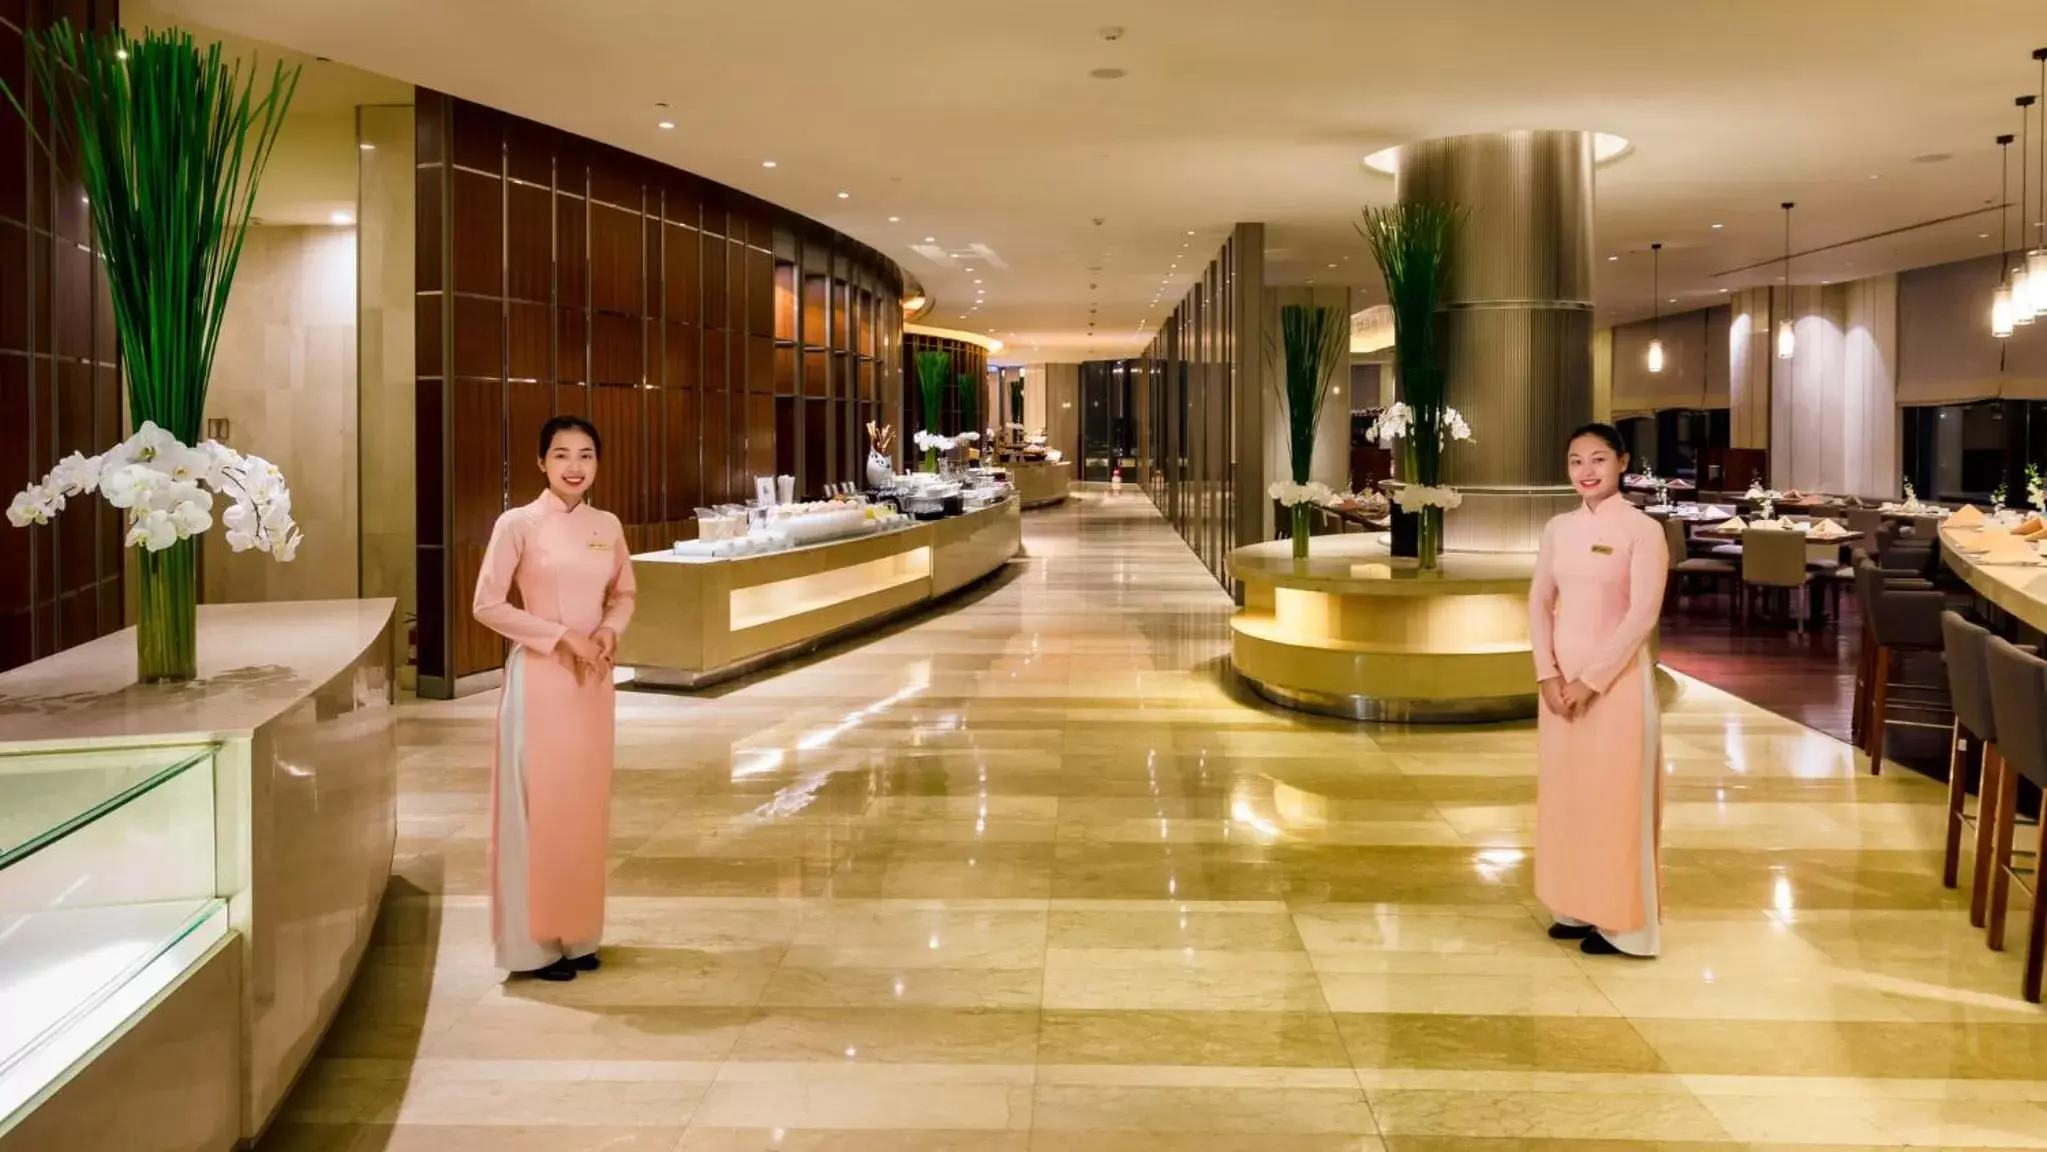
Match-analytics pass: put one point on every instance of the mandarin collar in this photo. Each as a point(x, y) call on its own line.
point(1611, 506)
point(549, 502)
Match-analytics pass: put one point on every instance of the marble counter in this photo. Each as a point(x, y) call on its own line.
point(1353, 631)
point(301, 700)
point(699, 622)
point(1040, 484)
point(2019, 589)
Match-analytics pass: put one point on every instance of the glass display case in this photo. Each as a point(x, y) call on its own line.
point(107, 896)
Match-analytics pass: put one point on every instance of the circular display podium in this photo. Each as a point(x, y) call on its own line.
point(1352, 631)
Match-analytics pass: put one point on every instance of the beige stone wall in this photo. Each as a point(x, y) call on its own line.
point(385, 239)
point(284, 380)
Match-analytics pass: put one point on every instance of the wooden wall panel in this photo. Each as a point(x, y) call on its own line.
point(59, 585)
point(557, 275)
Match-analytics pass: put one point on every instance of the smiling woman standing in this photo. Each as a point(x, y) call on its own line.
point(550, 796)
point(1597, 592)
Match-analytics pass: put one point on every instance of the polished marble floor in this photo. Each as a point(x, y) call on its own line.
point(1032, 875)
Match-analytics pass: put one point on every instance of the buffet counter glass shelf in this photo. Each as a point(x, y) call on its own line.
point(107, 897)
point(699, 621)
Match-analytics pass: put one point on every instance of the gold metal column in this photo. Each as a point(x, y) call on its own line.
point(1517, 328)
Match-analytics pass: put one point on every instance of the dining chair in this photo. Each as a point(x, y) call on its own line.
point(2018, 693)
point(1772, 558)
point(1683, 564)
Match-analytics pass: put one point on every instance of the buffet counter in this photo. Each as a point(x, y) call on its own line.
point(2019, 589)
point(1352, 631)
point(189, 873)
point(701, 621)
point(1040, 484)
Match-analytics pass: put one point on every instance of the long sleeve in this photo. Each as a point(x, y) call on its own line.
point(1648, 567)
point(492, 606)
point(1542, 610)
point(619, 594)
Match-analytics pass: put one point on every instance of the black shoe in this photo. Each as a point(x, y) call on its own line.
point(557, 972)
point(1571, 931)
point(588, 963)
point(1597, 945)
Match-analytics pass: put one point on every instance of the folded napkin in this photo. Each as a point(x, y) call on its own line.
point(1734, 525)
point(1827, 528)
point(1967, 516)
point(2030, 525)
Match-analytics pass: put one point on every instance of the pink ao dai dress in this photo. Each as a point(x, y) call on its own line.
point(550, 797)
point(1594, 603)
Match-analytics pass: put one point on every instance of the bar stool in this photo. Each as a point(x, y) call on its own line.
point(1898, 620)
point(1968, 678)
point(2018, 693)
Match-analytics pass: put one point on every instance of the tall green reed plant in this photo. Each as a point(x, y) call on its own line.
point(934, 373)
point(170, 141)
point(1315, 340)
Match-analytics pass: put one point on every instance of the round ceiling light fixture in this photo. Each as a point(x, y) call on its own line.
point(1606, 148)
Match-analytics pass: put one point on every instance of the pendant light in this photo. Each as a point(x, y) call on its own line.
point(1656, 307)
point(1787, 339)
point(2000, 300)
point(2022, 308)
point(2036, 260)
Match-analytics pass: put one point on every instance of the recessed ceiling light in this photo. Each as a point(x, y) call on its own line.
point(367, 146)
point(665, 124)
point(970, 270)
point(1611, 259)
point(1875, 176)
point(1982, 235)
point(1673, 299)
point(1719, 226)
point(767, 163)
point(1190, 231)
point(1723, 290)
point(931, 239)
point(342, 218)
point(1332, 265)
point(845, 195)
point(895, 219)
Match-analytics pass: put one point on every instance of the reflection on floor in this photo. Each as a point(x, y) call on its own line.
point(1030, 875)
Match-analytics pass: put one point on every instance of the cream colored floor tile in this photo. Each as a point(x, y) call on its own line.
point(538, 1103)
point(1180, 987)
point(1275, 1114)
point(1920, 1123)
point(1543, 1115)
point(848, 1140)
point(866, 1106)
point(1550, 995)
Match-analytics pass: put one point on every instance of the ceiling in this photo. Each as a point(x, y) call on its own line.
point(980, 125)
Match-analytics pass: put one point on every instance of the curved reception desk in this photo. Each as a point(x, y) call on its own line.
point(701, 621)
point(1041, 484)
point(1354, 632)
point(189, 873)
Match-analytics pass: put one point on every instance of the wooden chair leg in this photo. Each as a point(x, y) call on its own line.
point(1957, 805)
point(2006, 809)
point(1987, 787)
point(1864, 652)
point(1879, 691)
point(2036, 923)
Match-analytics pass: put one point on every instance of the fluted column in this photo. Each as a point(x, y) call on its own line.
point(1517, 324)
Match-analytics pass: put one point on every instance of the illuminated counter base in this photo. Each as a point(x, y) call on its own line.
point(1353, 632)
point(699, 623)
point(1041, 485)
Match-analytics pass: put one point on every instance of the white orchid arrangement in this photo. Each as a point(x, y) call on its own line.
point(1398, 421)
point(1766, 497)
point(1314, 492)
point(2036, 488)
point(1414, 497)
point(931, 441)
point(1998, 495)
point(169, 490)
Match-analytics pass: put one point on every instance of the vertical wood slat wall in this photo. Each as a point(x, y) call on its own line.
point(1189, 386)
point(60, 381)
point(710, 336)
point(967, 359)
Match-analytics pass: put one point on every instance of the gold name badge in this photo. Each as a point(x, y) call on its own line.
point(1602, 549)
point(600, 545)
